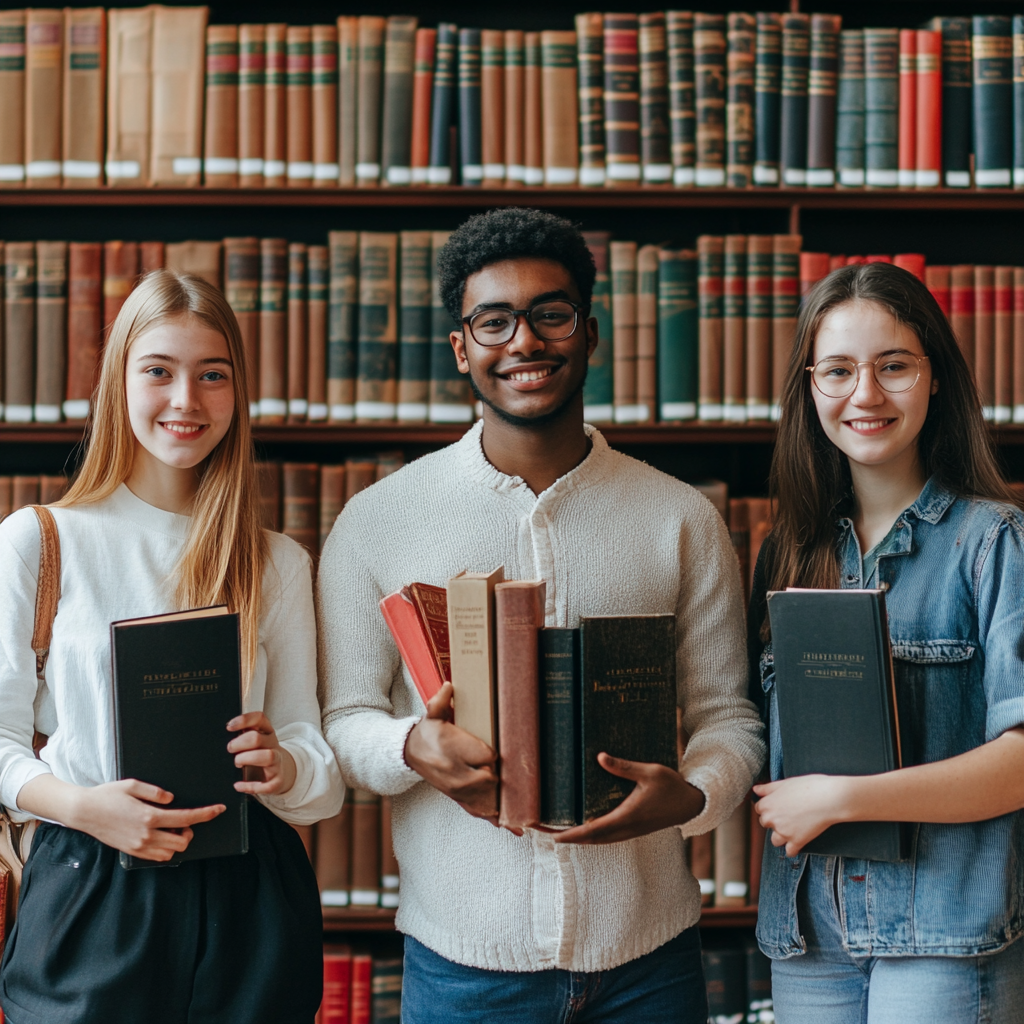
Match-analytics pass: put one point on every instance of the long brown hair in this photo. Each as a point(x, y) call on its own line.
point(226, 550)
point(810, 482)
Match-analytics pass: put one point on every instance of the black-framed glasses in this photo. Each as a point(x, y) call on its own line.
point(553, 320)
point(837, 378)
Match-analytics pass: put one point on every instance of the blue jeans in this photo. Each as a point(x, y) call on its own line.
point(827, 985)
point(664, 987)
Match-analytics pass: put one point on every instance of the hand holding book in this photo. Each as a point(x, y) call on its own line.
point(269, 768)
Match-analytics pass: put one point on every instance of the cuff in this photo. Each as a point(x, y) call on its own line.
point(706, 780)
point(408, 776)
point(16, 778)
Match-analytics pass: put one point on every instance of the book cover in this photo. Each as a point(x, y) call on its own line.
point(19, 331)
point(83, 82)
point(710, 284)
point(301, 519)
point(767, 98)
point(956, 100)
point(734, 329)
point(796, 44)
point(275, 106)
point(758, 360)
point(677, 334)
point(273, 330)
point(51, 329)
point(44, 31)
point(985, 337)
point(559, 108)
point(359, 474)
point(414, 313)
point(377, 350)
point(622, 262)
point(368, 119)
point(220, 145)
point(333, 859)
point(598, 390)
point(515, 107)
point(739, 105)
point(821, 99)
point(365, 890)
point(928, 143)
point(359, 1007)
point(590, 83)
point(179, 675)
point(242, 290)
point(655, 144)
point(200, 258)
point(348, 98)
point(785, 304)
point(337, 985)
point(442, 105)
point(837, 702)
point(268, 476)
point(152, 256)
point(937, 280)
point(85, 326)
point(422, 90)
point(906, 174)
point(647, 264)
point(560, 724)
point(396, 132)
point(682, 109)
point(850, 109)
point(881, 106)
point(492, 107)
point(451, 400)
point(120, 272)
point(621, 99)
point(298, 349)
point(470, 153)
point(432, 605)
point(992, 93)
point(710, 88)
point(299, 106)
point(410, 633)
point(325, 106)
point(961, 300)
point(343, 247)
point(731, 859)
point(1003, 368)
point(318, 262)
point(12, 99)
point(252, 64)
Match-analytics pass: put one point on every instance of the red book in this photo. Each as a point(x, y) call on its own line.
point(929, 109)
point(907, 176)
point(855, 261)
point(362, 973)
point(422, 87)
point(937, 280)
point(412, 637)
point(912, 262)
point(961, 314)
point(985, 337)
point(878, 258)
point(813, 267)
point(337, 985)
point(835, 262)
point(1004, 345)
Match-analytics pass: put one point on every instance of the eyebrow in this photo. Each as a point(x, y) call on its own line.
point(161, 357)
point(887, 352)
point(558, 293)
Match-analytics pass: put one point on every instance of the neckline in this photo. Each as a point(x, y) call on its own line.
point(126, 503)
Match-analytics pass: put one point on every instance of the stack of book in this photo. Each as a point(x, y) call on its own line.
point(360, 987)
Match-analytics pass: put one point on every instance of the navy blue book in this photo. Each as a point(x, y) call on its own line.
point(442, 104)
point(560, 794)
point(956, 100)
point(992, 48)
point(470, 138)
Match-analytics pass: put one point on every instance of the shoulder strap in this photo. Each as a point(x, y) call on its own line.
point(48, 588)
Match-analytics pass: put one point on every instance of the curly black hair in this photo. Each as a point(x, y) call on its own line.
point(508, 234)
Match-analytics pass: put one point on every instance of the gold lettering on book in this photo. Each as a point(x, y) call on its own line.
point(180, 684)
point(631, 689)
point(821, 665)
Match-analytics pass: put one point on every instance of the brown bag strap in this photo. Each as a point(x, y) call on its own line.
point(48, 588)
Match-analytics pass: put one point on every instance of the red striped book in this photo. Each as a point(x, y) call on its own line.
point(813, 267)
point(937, 280)
point(907, 175)
point(928, 171)
point(913, 262)
point(1003, 412)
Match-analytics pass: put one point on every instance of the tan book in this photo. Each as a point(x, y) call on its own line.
point(83, 82)
point(152, 256)
point(472, 645)
point(51, 329)
point(299, 98)
point(325, 106)
point(5, 509)
point(785, 306)
point(176, 143)
point(334, 858)
point(12, 99)
point(515, 107)
point(252, 60)
point(622, 262)
point(85, 325)
point(731, 859)
point(318, 289)
point(365, 890)
point(647, 264)
point(202, 259)
point(129, 59)
point(19, 331)
point(298, 357)
point(273, 330)
point(120, 272)
point(533, 111)
point(348, 99)
point(242, 290)
point(220, 146)
point(368, 118)
point(44, 36)
point(332, 498)
point(492, 107)
point(275, 108)
point(560, 109)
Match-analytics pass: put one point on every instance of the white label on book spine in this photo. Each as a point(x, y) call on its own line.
point(657, 172)
point(776, 411)
point(317, 411)
point(591, 176)
point(118, 169)
point(250, 165)
point(367, 172)
point(451, 413)
point(1018, 177)
point(494, 171)
point(633, 413)
point(299, 169)
point(365, 897)
point(623, 172)
point(710, 177)
point(560, 175)
point(794, 176)
point(678, 410)
point(389, 881)
point(758, 410)
point(1003, 414)
point(273, 407)
point(472, 172)
point(273, 168)
point(684, 177)
point(821, 177)
point(735, 413)
point(534, 176)
point(254, 409)
point(420, 175)
point(325, 172)
point(412, 412)
point(516, 172)
point(1018, 414)
point(988, 413)
point(906, 179)
point(78, 408)
point(851, 177)
point(12, 172)
point(734, 889)
point(997, 178)
point(766, 175)
point(375, 410)
point(399, 176)
point(439, 175)
point(297, 406)
point(926, 179)
point(342, 413)
point(186, 165)
point(599, 413)
point(334, 897)
point(220, 165)
point(882, 179)
point(81, 169)
point(43, 169)
point(18, 414)
point(709, 411)
point(958, 179)
point(47, 414)
point(389, 900)
point(707, 886)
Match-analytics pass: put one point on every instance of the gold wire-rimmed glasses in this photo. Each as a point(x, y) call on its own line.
point(896, 372)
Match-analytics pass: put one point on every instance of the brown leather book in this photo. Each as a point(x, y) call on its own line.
point(519, 614)
point(44, 37)
point(590, 60)
point(389, 462)
point(937, 280)
point(492, 107)
point(325, 106)
point(299, 96)
point(12, 100)
point(152, 256)
point(51, 329)
point(83, 82)
point(734, 329)
point(431, 603)
point(129, 60)
point(19, 331)
point(371, 73)
point(388, 860)
point(332, 498)
point(710, 259)
point(821, 99)
point(985, 337)
point(52, 488)
point(365, 890)
point(515, 108)
point(202, 259)
point(647, 263)
point(1018, 344)
point(961, 319)
point(732, 859)
point(621, 99)
point(85, 325)
point(298, 355)
point(622, 261)
point(252, 63)
point(1003, 412)
point(533, 110)
point(422, 88)
point(334, 858)
point(179, 47)
point(739, 534)
point(120, 272)
point(269, 476)
point(709, 45)
point(273, 330)
point(348, 98)
point(396, 130)
point(220, 147)
point(318, 287)
point(242, 290)
point(302, 504)
point(359, 474)
point(785, 304)
point(24, 491)
point(701, 865)
point(275, 107)
point(5, 511)
point(560, 109)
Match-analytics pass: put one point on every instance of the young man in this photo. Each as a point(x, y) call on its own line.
point(598, 922)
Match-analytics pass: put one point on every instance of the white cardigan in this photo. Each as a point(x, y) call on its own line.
point(613, 536)
point(117, 561)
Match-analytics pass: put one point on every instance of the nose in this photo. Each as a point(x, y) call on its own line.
point(524, 342)
point(867, 391)
point(184, 393)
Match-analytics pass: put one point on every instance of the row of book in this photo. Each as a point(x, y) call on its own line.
point(739, 984)
point(359, 987)
point(157, 96)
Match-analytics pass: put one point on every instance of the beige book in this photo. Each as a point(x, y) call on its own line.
point(732, 859)
point(179, 51)
point(368, 117)
point(83, 82)
point(560, 107)
point(325, 106)
point(275, 108)
point(44, 32)
point(199, 258)
point(348, 99)
point(51, 329)
point(252, 58)
point(471, 639)
point(515, 161)
point(622, 262)
point(220, 145)
point(129, 55)
point(647, 263)
point(298, 96)
point(12, 99)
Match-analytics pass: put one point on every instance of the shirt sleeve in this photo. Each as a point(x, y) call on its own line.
point(725, 749)
point(290, 702)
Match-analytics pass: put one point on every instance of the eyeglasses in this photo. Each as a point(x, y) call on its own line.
point(550, 321)
point(838, 378)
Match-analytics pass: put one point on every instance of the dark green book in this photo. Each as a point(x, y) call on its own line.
point(414, 313)
point(956, 100)
point(677, 334)
point(559, 726)
point(598, 392)
point(767, 97)
point(850, 109)
point(470, 138)
point(992, 47)
point(377, 352)
point(451, 400)
point(881, 106)
point(341, 324)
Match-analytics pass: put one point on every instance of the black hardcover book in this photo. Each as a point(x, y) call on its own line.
point(956, 100)
point(559, 726)
point(725, 975)
point(628, 706)
point(759, 986)
point(1018, 101)
point(796, 58)
point(176, 687)
point(470, 139)
point(992, 93)
point(837, 702)
point(767, 99)
point(442, 104)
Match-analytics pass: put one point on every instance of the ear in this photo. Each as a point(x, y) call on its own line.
point(593, 335)
point(458, 340)
point(935, 386)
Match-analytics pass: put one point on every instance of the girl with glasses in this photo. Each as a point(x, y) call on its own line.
point(883, 476)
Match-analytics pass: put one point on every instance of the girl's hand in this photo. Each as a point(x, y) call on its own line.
point(799, 809)
point(270, 768)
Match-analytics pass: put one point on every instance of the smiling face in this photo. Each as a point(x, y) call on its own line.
point(871, 426)
point(527, 381)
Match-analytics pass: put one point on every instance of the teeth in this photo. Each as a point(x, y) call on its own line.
point(864, 425)
point(532, 375)
point(181, 429)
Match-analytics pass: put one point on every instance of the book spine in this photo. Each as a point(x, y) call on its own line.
point(220, 146)
point(348, 98)
point(622, 262)
point(371, 67)
point(984, 338)
point(709, 86)
point(655, 144)
point(83, 80)
point(850, 109)
point(621, 99)
point(273, 330)
point(906, 174)
point(151, 256)
point(767, 98)
point(701, 866)
point(795, 71)
point(1018, 344)
point(299, 105)
point(956, 100)
point(961, 317)
point(298, 354)
point(450, 397)
point(129, 94)
point(647, 333)
point(377, 351)
point(44, 37)
point(515, 108)
point(332, 501)
point(560, 120)
point(386, 989)
point(301, 505)
point(492, 107)
point(85, 326)
point(559, 726)
point(759, 327)
point(333, 861)
point(396, 139)
point(19, 331)
point(1018, 101)
point(731, 838)
point(533, 110)
point(414, 327)
point(24, 491)
point(365, 890)
point(120, 272)
point(785, 303)
point(389, 883)
point(992, 67)
point(739, 535)
point(325, 106)
point(710, 258)
point(51, 330)
point(724, 974)
point(677, 334)
point(681, 103)
point(590, 60)
point(881, 105)
point(734, 329)
point(739, 109)
point(813, 267)
point(928, 130)
point(936, 279)
point(318, 264)
point(470, 158)
point(443, 105)
point(599, 389)
point(360, 1006)
point(242, 290)
point(200, 258)
point(821, 100)
point(275, 107)
point(252, 60)
point(1003, 362)
point(422, 87)
point(12, 99)
point(341, 327)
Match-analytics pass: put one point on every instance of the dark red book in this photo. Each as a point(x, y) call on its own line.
point(913, 262)
point(813, 267)
point(337, 985)
point(907, 173)
point(929, 109)
point(359, 1003)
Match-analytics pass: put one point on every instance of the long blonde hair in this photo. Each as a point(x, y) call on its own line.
point(226, 549)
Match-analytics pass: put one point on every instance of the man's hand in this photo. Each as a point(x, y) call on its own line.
point(269, 768)
point(661, 798)
point(799, 809)
point(452, 760)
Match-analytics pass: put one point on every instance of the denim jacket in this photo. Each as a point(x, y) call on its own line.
point(955, 579)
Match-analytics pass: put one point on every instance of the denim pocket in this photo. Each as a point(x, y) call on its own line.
point(932, 652)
